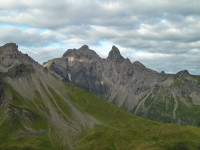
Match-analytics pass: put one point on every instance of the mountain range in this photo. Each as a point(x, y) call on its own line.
point(169, 98)
point(41, 107)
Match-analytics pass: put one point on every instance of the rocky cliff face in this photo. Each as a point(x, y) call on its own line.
point(34, 106)
point(38, 111)
point(132, 86)
point(10, 57)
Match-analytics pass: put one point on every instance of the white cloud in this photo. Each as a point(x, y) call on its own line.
point(42, 54)
point(160, 28)
point(26, 37)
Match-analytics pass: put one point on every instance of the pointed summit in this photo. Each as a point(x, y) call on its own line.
point(183, 73)
point(70, 52)
point(138, 64)
point(9, 48)
point(11, 45)
point(82, 52)
point(84, 47)
point(11, 57)
point(114, 54)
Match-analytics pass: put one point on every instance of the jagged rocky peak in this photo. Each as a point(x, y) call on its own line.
point(9, 48)
point(183, 73)
point(11, 57)
point(137, 64)
point(141, 68)
point(13, 45)
point(84, 47)
point(162, 72)
point(68, 52)
point(82, 52)
point(114, 54)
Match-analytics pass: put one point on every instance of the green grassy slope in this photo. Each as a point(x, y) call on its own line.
point(28, 123)
point(21, 126)
point(121, 130)
point(24, 125)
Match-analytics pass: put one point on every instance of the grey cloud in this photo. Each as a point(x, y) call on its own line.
point(42, 54)
point(152, 26)
point(28, 37)
point(60, 13)
point(171, 63)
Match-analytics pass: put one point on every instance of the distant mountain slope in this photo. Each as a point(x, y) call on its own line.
point(34, 106)
point(38, 111)
point(162, 97)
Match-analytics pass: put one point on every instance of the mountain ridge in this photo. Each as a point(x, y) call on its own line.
point(131, 85)
point(41, 112)
point(34, 92)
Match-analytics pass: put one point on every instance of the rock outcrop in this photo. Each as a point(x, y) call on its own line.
point(131, 86)
point(39, 111)
point(33, 104)
point(10, 56)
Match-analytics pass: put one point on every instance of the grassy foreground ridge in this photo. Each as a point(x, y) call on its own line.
point(24, 124)
point(121, 130)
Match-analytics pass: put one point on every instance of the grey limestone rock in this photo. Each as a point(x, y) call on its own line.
point(131, 86)
point(11, 57)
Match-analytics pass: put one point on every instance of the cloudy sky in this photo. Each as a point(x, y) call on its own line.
point(161, 34)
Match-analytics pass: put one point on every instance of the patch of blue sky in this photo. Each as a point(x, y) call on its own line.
point(103, 43)
point(103, 48)
point(15, 25)
point(42, 30)
point(54, 44)
point(21, 27)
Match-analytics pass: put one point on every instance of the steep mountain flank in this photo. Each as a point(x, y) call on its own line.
point(35, 109)
point(39, 111)
point(163, 97)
